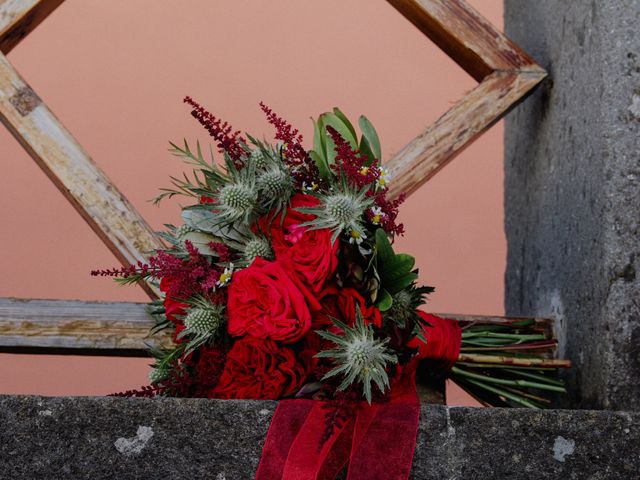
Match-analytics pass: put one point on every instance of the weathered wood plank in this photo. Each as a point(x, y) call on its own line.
point(72, 326)
point(70, 168)
point(75, 327)
point(19, 17)
point(465, 36)
point(507, 75)
point(469, 118)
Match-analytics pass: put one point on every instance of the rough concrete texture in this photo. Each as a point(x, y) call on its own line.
point(96, 438)
point(572, 191)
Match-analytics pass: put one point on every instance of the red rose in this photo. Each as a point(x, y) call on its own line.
point(341, 303)
point(265, 302)
point(259, 369)
point(308, 253)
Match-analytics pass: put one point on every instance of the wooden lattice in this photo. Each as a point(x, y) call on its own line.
point(506, 75)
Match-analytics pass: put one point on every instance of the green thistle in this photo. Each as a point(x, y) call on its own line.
point(251, 246)
point(341, 211)
point(237, 201)
point(259, 158)
point(182, 230)
point(202, 322)
point(257, 247)
point(359, 356)
point(157, 375)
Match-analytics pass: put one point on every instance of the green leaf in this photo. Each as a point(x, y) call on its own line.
point(384, 251)
point(385, 300)
point(321, 163)
point(402, 283)
point(330, 148)
point(319, 133)
point(338, 113)
point(398, 266)
point(365, 149)
point(368, 132)
point(331, 119)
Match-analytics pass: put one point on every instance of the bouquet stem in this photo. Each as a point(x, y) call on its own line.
point(509, 364)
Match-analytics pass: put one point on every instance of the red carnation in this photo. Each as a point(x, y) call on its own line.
point(265, 302)
point(260, 369)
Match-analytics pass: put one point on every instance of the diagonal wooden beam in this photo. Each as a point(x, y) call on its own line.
point(469, 118)
point(70, 168)
point(112, 328)
point(506, 75)
point(19, 17)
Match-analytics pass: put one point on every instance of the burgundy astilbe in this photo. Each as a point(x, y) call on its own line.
point(389, 212)
point(303, 169)
point(148, 391)
point(228, 140)
point(188, 276)
point(352, 162)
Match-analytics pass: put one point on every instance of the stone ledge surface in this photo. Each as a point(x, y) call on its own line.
point(104, 437)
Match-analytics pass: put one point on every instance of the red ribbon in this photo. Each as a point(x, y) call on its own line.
point(377, 441)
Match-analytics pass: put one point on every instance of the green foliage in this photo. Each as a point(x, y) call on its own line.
point(323, 153)
point(394, 269)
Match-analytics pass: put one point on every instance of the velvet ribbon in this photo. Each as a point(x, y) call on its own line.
point(377, 440)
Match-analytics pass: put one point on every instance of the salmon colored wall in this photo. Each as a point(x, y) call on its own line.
point(115, 73)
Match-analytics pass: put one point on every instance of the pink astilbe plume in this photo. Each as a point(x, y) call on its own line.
point(303, 169)
point(228, 140)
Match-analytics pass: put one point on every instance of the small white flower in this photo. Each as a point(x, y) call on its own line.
point(383, 178)
point(225, 278)
point(309, 188)
point(356, 237)
point(376, 215)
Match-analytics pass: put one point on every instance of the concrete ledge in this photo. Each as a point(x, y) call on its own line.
point(68, 438)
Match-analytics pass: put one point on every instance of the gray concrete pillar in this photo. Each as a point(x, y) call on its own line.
point(572, 190)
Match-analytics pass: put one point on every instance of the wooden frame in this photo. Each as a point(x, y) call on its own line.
point(112, 328)
point(506, 75)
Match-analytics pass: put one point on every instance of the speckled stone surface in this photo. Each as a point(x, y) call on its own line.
point(572, 191)
point(100, 438)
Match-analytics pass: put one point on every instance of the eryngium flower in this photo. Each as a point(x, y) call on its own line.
point(359, 356)
point(341, 211)
point(202, 322)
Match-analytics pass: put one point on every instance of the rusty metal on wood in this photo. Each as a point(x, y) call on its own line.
point(506, 75)
point(19, 17)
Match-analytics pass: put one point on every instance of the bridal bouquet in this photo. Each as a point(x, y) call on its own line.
point(283, 280)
